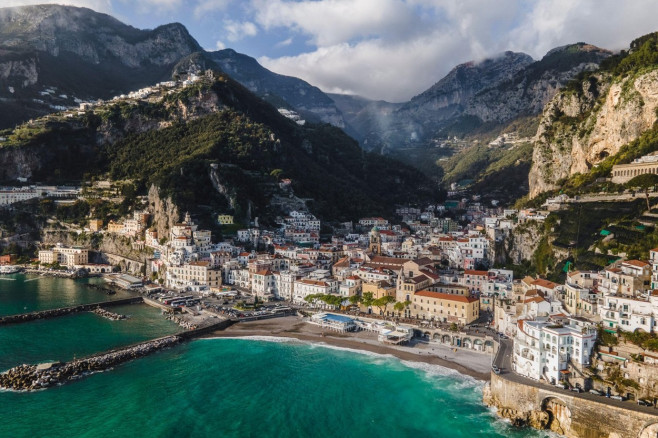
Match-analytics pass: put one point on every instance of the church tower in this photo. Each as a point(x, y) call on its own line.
point(375, 246)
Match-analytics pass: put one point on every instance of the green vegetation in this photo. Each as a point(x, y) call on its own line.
point(247, 140)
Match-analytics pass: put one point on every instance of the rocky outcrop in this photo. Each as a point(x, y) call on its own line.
point(519, 244)
point(164, 212)
point(580, 129)
point(534, 86)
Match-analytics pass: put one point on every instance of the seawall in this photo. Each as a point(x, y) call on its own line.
point(53, 313)
point(571, 414)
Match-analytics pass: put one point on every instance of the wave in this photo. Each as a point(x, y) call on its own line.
point(430, 370)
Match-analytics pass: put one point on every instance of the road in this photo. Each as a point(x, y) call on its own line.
point(503, 361)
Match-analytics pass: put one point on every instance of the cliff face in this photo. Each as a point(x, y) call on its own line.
point(53, 56)
point(164, 211)
point(532, 88)
point(578, 130)
point(306, 99)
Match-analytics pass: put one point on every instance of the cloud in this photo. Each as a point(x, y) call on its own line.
point(97, 5)
point(239, 30)
point(204, 7)
point(394, 49)
point(284, 43)
point(219, 45)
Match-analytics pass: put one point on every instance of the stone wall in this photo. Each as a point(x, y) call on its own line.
point(565, 412)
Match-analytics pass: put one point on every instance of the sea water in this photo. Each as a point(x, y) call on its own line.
point(231, 387)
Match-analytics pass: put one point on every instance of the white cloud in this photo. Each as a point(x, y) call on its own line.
point(220, 45)
point(204, 7)
point(97, 5)
point(284, 43)
point(238, 30)
point(394, 49)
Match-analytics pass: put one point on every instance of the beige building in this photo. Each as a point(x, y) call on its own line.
point(194, 273)
point(65, 256)
point(648, 164)
point(378, 289)
point(95, 225)
point(444, 307)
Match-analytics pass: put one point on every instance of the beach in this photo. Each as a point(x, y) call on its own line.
point(467, 362)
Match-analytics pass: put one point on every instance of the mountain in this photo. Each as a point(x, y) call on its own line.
point(307, 100)
point(53, 56)
point(604, 117)
point(475, 97)
point(213, 147)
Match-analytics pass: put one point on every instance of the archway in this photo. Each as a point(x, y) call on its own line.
point(467, 343)
point(559, 415)
point(446, 339)
point(478, 345)
point(436, 337)
point(649, 431)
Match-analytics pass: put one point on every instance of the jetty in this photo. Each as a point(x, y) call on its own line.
point(33, 377)
point(62, 311)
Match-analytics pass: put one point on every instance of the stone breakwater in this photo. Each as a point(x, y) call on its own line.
point(182, 322)
point(53, 313)
point(34, 377)
point(108, 315)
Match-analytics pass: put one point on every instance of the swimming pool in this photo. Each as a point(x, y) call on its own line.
point(337, 318)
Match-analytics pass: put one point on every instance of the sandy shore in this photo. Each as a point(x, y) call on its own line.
point(471, 363)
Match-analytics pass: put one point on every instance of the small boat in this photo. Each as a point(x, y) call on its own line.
point(9, 269)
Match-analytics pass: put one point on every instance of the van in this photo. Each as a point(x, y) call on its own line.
point(617, 397)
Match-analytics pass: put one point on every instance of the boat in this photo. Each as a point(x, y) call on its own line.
point(9, 269)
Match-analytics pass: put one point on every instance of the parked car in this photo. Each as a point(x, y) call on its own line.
point(595, 392)
point(617, 397)
point(576, 389)
point(495, 369)
point(643, 402)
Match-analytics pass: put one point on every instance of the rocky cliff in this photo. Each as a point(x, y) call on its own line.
point(531, 88)
point(581, 128)
point(51, 55)
point(306, 99)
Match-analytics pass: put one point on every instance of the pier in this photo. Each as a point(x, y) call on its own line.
point(62, 311)
point(40, 376)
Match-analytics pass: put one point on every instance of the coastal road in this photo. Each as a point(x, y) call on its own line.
point(503, 361)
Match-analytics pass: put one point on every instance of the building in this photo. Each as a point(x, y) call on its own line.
point(193, 274)
point(629, 313)
point(375, 245)
point(648, 164)
point(263, 284)
point(65, 256)
point(545, 349)
point(95, 225)
point(225, 219)
point(443, 307)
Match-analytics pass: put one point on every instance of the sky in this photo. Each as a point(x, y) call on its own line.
point(385, 49)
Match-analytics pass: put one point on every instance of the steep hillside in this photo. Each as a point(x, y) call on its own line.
point(306, 99)
point(213, 146)
point(596, 115)
point(51, 55)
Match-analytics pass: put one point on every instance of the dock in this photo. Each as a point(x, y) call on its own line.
point(63, 311)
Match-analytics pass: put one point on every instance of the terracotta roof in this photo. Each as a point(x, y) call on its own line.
point(263, 272)
point(313, 282)
point(544, 283)
point(474, 272)
point(536, 299)
point(637, 263)
point(424, 261)
point(449, 297)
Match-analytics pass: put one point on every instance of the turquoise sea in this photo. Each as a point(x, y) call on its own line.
point(234, 388)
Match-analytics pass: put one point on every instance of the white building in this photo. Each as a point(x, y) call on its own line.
point(544, 350)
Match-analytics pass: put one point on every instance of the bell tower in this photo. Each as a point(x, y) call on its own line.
point(375, 246)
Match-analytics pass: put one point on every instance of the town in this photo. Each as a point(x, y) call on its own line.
point(428, 277)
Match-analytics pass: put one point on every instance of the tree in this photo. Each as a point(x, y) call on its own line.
point(354, 299)
point(383, 302)
point(401, 305)
point(367, 299)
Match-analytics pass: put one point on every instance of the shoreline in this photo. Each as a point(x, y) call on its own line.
point(298, 329)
